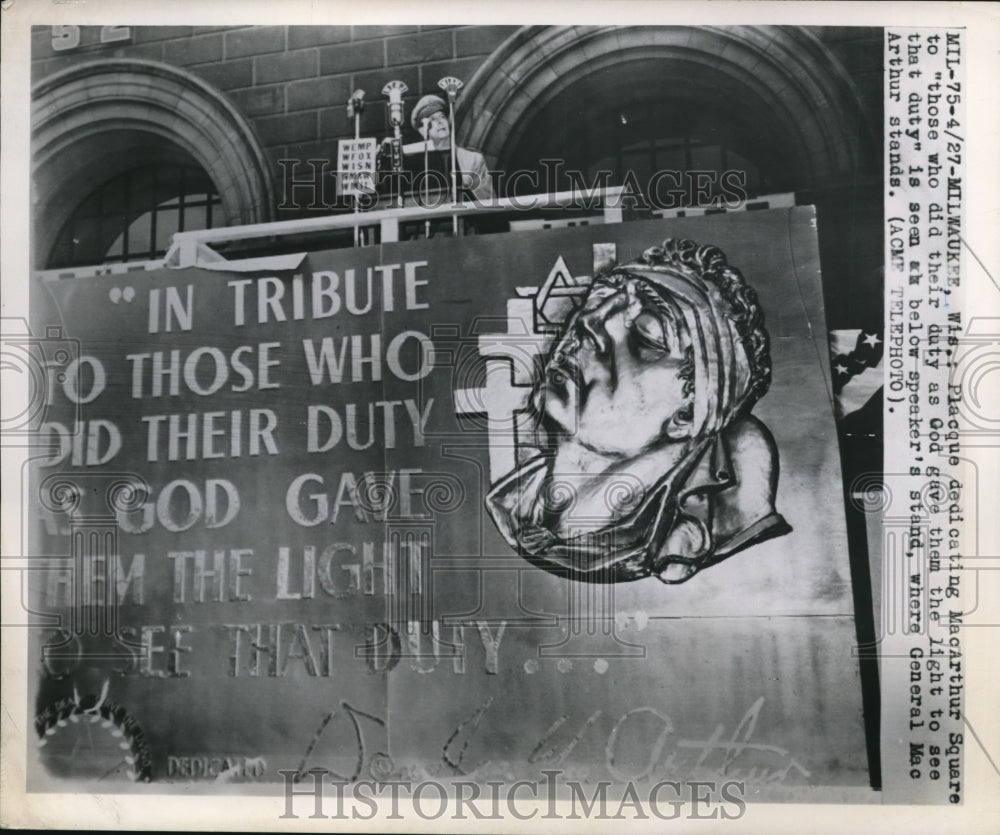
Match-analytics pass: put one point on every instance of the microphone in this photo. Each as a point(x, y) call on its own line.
point(394, 90)
point(451, 86)
point(355, 104)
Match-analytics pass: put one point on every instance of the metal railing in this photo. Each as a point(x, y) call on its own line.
point(187, 248)
point(194, 248)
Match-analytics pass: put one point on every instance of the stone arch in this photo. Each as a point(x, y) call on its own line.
point(94, 120)
point(784, 71)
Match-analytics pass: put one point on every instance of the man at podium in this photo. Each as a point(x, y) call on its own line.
point(433, 155)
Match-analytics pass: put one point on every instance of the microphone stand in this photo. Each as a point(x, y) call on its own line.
point(451, 86)
point(394, 90)
point(427, 193)
point(355, 104)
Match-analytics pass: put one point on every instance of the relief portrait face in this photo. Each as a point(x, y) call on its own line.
point(619, 380)
point(648, 390)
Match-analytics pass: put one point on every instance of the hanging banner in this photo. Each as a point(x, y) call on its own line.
point(549, 506)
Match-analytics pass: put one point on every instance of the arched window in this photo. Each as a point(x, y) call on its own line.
point(115, 141)
point(773, 97)
point(595, 128)
point(133, 215)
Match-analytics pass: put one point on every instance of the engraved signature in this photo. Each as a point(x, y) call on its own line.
point(732, 755)
point(720, 756)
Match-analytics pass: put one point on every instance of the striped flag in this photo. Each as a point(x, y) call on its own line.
point(856, 360)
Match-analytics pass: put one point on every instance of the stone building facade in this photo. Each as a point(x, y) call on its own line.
point(202, 117)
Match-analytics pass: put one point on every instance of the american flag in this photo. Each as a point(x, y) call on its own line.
point(856, 361)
